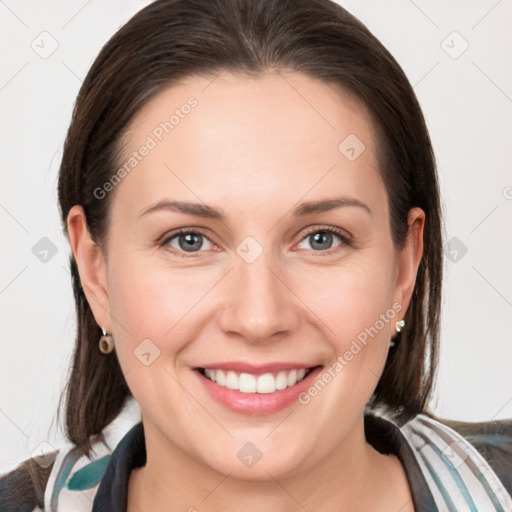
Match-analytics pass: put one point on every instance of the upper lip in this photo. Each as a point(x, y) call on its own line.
point(255, 369)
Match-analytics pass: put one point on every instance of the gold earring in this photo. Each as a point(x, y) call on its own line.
point(106, 342)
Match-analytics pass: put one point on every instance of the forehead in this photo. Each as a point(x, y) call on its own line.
point(310, 107)
point(280, 134)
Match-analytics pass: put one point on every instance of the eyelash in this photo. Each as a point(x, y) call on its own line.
point(187, 231)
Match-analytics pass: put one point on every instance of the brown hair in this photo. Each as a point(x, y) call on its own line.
point(171, 39)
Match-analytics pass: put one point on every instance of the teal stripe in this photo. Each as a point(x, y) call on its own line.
point(67, 465)
point(478, 474)
point(455, 474)
point(88, 476)
point(490, 492)
point(441, 487)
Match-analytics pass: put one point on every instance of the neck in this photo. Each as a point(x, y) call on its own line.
point(354, 476)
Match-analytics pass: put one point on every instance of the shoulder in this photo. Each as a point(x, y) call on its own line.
point(68, 477)
point(68, 482)
point(465, 461)
point(22, 489)
point(492, 439)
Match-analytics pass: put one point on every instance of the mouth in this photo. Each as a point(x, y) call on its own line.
point(256, 391)
point(269, 382)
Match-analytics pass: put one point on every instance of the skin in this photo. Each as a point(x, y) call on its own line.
point(253, 148)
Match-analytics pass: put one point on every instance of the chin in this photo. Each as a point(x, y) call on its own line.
point(256, 461)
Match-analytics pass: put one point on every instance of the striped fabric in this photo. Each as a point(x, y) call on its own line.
point(444, 469)
point(74, 480)
point(459, 478)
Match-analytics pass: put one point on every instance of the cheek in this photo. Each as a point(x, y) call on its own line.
point(353, 307)
point(149, 308)
point(155, 300)
point(150, 300)
point(351, 297)
point(150, 297)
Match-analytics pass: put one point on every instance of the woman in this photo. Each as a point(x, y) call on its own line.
point(214, 147)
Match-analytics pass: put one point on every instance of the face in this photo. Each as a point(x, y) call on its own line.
point(261, 283)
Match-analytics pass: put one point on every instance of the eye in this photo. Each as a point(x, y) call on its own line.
point(321, 239)
point(192, 241)
point(188, 241)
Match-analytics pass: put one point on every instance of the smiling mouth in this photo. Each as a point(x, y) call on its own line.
point(248, 383)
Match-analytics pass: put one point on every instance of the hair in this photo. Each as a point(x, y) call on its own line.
point(170, 40)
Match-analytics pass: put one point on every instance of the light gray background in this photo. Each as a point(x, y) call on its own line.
point(466, 97)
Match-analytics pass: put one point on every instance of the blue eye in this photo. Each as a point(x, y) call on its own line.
point(320, 239)
point(322, 236)
point(186, 242)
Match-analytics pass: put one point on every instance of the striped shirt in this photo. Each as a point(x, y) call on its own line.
point(451, 466)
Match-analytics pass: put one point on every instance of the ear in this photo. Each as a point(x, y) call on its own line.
point(409, 258)
point(91, 266)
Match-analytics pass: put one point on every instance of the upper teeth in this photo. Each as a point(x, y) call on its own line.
point(247, 383)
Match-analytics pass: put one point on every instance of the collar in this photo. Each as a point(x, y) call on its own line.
point(131, 453)
point(444, 471)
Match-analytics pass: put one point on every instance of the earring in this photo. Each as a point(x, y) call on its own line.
point(106, 342)
point(398, 327)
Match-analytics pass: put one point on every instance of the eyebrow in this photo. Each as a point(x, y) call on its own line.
point(302, 210)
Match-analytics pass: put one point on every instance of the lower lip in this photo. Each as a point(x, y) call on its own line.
point(257, 404)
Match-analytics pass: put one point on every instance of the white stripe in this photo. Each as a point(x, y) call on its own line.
point(64, 448)
point(439, 467)
point(477, 490)
point(458, 454)
point(129, 415)
point(416, 441)
point(494, 482)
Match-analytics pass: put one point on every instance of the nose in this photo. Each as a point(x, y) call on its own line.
point(260, 304)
